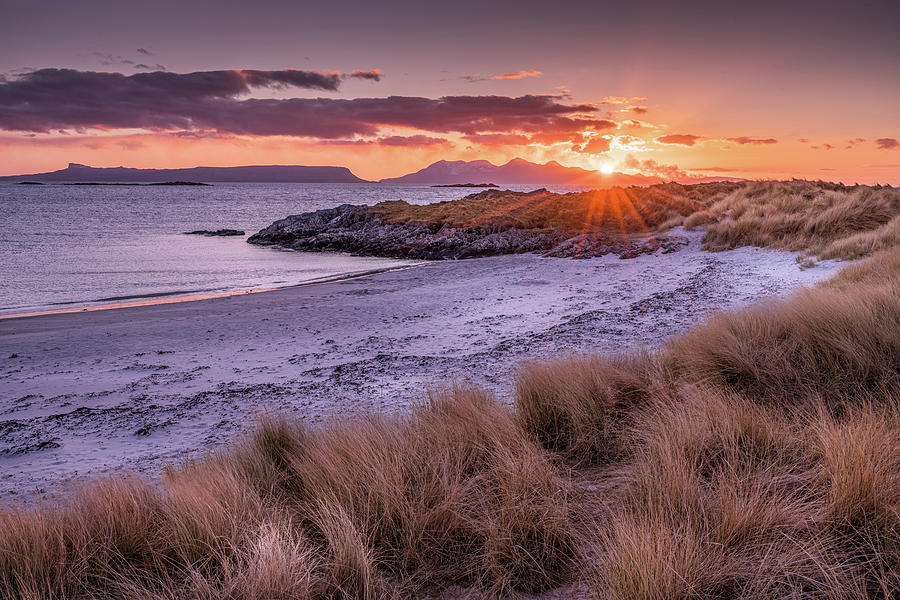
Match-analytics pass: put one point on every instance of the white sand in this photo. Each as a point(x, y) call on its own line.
point(132, 388)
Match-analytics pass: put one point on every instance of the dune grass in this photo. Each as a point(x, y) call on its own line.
point(756, 456)
point(454, 493)
point(824, 220)
point(827, 220)
point(633, 210)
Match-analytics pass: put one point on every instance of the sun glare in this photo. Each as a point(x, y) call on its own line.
point(606, 168)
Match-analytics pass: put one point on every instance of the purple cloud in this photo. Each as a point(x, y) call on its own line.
point(60, 99)
point(887, 143)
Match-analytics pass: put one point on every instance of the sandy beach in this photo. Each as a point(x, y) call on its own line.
point(130, 389)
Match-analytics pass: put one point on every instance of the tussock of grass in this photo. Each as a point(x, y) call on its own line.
point(824, 219)
point(759, 458)
point(577, 406)
point(456, 493)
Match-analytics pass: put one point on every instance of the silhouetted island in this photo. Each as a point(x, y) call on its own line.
point(173, 183)
point(216, 232)
point(247, 174)
point(467, 185)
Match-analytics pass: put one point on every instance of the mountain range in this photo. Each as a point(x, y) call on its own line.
point(516, 172)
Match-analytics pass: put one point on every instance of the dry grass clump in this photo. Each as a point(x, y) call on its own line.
point(758, 458)
point(818, 344)
point(632, 210)
point(576, 406)
point(456, 493)
point(824, 219)
point(728, 498)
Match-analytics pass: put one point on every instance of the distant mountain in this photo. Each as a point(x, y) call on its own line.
point(515, 172)
point(251, 174)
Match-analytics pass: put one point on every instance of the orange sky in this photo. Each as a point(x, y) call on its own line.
point(769, 91)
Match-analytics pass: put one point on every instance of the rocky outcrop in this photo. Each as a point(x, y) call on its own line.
point(360, 230)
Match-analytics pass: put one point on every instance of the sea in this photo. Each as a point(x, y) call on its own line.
point(69, 246)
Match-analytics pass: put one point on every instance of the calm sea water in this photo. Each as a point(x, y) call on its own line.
point(64, 246)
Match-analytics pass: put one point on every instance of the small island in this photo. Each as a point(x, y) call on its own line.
point(216, 232)
point(467, 185)
point(626, 222)
point(170, 183)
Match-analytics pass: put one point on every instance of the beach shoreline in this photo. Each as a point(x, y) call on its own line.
point(175, 297)
point(113, 391)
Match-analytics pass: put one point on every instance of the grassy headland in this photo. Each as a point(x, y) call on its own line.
point(756, 456)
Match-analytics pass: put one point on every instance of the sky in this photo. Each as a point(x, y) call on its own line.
point(671, 89)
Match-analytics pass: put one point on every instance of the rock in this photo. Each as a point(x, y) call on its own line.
point(216, 233)
point(361, 231)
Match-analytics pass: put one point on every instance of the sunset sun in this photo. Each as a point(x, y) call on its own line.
point(607, 168)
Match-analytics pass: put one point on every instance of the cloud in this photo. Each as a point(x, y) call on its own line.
point(716, 169)
point(681, 139)
point(743, 140)
point(411, 140)
point(639, 110)
point(144, 51)
point(393, 140)
point(498, 139)
point(472, 77)
point(518, 75)
point(145, 67)
point(373, 75)
point(853, 142)
point(107, 59)
point(623, 100)
point(651, 167)
point(595, 145)
point(887, 143)
point(64, 99)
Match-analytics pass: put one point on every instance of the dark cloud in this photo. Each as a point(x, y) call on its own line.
point(743, 140)
point(373, 75)
point(887, 143)
point(392, 140)
point(498, 139)
point(681, 139)
point(144, 51)
point(412, 140)
point(639, 110)
point(145, 67)
point(58, 99)
point(112, 59)
point(853, 142)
